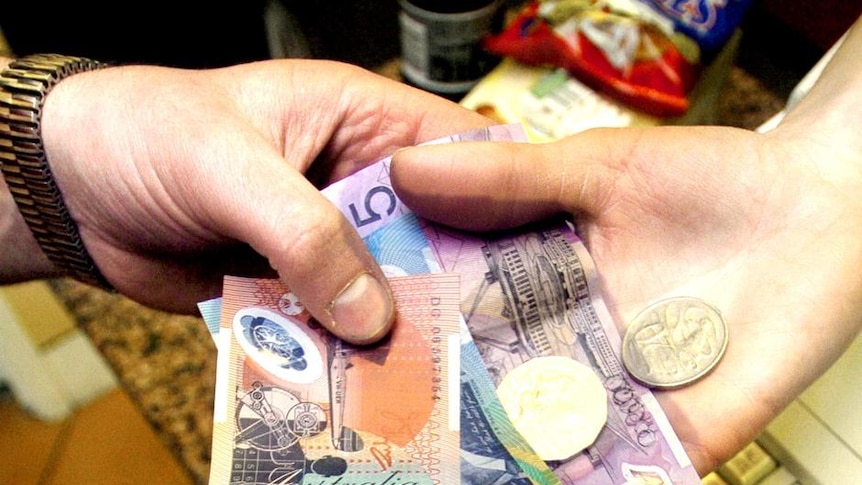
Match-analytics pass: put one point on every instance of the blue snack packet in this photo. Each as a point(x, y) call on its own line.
point(709, 22)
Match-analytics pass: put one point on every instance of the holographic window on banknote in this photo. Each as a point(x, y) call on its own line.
point(278, 345)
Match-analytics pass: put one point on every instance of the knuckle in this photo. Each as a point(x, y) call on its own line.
point(316, 240)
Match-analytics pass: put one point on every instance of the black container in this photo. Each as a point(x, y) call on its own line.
point(441, 43)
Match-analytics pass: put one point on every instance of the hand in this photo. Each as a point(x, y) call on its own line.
point(177, 177)
point(767, 227)
point(745, 221)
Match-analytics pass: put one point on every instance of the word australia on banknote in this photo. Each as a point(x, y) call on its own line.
point(307, 408)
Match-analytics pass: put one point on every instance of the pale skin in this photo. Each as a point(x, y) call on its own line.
point(767, 227)
point(177, 177)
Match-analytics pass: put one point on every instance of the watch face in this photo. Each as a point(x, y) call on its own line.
point(278, 344)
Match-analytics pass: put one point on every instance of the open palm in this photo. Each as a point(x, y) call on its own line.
point(750, 224)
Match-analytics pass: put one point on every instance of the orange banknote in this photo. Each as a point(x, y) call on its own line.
point(305, 407)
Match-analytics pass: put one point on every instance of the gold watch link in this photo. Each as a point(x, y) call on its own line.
point(24, 84)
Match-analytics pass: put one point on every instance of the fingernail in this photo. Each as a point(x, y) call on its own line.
point(362, 312)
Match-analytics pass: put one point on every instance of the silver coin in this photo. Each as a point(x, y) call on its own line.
point(674, 342)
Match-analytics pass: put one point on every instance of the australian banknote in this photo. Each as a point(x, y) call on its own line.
point(401, 248)
point(535, 293)
point(303, 407)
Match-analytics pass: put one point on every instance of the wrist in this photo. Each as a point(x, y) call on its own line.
point(824, 123)
point(29, 180)
point(22, 258)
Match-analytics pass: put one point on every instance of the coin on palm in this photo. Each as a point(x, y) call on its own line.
point(557, 404)
point(674, 342)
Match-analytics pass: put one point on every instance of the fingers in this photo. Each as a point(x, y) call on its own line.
point(485, 186)
point(200, 176)
point(316, 252)
point(346, 115)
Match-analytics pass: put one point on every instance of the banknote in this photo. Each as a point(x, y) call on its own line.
point(401, 248)
point(523, 295)
point(366, 197)
point(305, 407)
point(492, 452)
point(535, 293)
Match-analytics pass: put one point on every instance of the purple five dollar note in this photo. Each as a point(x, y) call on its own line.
point(535, 293)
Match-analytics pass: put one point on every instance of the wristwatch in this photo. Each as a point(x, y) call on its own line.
point(24, 84)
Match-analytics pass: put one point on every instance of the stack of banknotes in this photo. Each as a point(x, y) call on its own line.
point(296, 406)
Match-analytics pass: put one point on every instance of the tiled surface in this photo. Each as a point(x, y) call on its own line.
point(38, 312)
point(819, 436)
point(106, 442)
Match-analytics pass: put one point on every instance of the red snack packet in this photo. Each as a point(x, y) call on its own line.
point(632, 56)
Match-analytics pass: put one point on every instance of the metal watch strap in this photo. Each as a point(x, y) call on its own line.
point(24, 84)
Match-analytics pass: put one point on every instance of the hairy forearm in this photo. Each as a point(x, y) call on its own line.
point(21, 258)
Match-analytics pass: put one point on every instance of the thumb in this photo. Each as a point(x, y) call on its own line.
point(493, 185)
point(315, 250)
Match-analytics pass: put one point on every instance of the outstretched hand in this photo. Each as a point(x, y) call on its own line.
point(177, 177)
point(766, 227)
point(758, 225)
